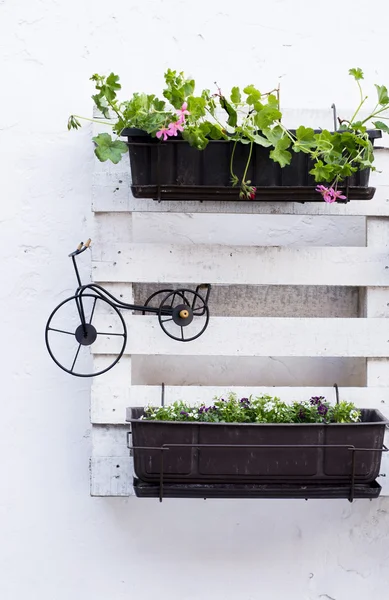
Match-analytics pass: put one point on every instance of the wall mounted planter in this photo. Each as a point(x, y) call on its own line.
point(173, 170)
point(262, 460)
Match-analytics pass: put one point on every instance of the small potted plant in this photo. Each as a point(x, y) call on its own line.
point(209, 146)
point(245, 440)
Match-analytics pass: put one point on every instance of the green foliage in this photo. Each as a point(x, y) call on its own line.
point(280, 153)
point(382, 126)
point(356, 73)
point(236, 97)
point(109, 149)
point(73, 123)
point(248, 116)
point(262, 409)
point(382, 93)
point(178, 88)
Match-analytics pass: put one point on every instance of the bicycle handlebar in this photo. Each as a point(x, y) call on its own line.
point(81, 247)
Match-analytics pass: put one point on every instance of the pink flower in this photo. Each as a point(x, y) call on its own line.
point(182, 112)
point(338, 195)
point(329, 194)
point(175, 127)
point(165, 132)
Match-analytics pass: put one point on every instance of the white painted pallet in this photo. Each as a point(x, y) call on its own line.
point(119, 261)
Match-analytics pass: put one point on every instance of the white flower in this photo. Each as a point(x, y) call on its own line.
point(354, 415)
point(269, 406)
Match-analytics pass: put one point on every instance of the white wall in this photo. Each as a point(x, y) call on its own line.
point(56, 542)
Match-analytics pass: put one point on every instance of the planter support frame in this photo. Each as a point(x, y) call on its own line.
point(349, 489)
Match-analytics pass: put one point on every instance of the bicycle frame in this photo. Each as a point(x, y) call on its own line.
point(115, 302)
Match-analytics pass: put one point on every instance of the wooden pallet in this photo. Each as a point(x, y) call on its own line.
point(120, 262)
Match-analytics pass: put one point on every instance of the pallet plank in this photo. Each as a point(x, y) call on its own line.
point(245, 336)
point(211, 263)
point(109, 405)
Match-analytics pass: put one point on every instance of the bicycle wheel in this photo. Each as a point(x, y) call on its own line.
point(186, 310)
point(68, 340)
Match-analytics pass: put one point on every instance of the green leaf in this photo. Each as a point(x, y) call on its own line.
point(101, 104)
point(235, 95)
point(196, 107)
point(266, 116)
point(195, 137)
point(382, 126)
point(273, 100)
point(112, 85)
point(356, 73)
point(382, 92)
point(73, 123)
point(253, 95)
point(232, 114)
point(261, 141)
point(273, 135)
point(305, 139)
point(178, 88)
point(280, 153)
point(322, 172)
point(216, 133)
point(108, 149)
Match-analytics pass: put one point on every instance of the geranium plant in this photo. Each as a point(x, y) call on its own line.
point(246, 116)
point(262, 409)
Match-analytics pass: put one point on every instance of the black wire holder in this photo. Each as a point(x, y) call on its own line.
point(348, 489)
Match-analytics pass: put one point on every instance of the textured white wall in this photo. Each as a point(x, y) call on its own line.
point(57, 543)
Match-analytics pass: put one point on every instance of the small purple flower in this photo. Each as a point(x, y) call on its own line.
point(245, 401)
point(316, 400)
point(183, 412)
point(322, 410)
point(301, 413)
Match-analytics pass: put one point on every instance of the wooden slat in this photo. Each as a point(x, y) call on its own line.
point(377, 305)
point(111, 464)
point(109, 402)
point(240, 336)
point(241, 264)
point(111, 195)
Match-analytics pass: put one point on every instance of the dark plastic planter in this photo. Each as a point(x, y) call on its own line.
point(174, 170)
point(328, 459)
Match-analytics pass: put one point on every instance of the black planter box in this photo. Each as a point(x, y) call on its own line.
point(173, 170)
point(290, 453)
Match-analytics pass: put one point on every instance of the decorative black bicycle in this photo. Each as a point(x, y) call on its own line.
point(183, 315)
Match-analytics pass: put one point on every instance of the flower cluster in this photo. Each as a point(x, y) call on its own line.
point(175, 126)
point(262, 409)
point(247, 191)
point(329, 194)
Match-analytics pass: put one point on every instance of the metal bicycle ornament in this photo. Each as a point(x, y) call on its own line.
point(183, 315)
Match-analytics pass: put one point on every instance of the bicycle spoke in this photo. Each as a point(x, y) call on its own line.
point(166, 320)
point(93, 310)
point(182, 333)
point(75, 358)
point(60, 331)
point(185, 299)
point(172, 302)
point(103, 333)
